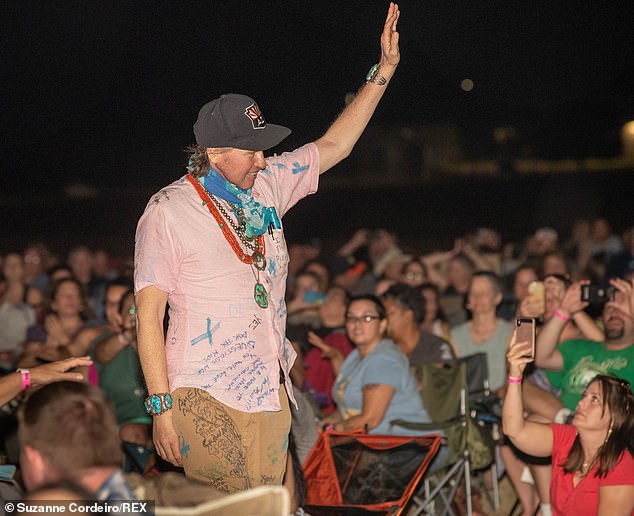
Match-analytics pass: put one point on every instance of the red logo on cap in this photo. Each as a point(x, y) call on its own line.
point(255, 115)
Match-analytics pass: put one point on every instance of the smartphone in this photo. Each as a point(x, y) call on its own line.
point(313, 296)
point(536, 293)
point(597, 294)
point(525, 332)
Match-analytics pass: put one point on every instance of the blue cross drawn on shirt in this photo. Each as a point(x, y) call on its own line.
point(208, 334)
point(297, 168)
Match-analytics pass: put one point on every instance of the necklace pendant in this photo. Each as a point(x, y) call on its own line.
point(260, 295)
point(258, 260)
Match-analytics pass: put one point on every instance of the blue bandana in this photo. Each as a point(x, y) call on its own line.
point(259, 217)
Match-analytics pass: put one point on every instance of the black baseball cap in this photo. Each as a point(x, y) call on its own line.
point(235, 120)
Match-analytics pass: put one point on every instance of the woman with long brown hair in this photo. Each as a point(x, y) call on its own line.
point(593, 468)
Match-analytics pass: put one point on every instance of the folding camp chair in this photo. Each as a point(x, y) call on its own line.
point(444, 394)
point(485, 408)
point(355, 473)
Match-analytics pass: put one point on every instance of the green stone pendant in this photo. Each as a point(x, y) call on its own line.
point(260, 295)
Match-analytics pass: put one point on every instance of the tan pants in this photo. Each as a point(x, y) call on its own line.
point(229, 449)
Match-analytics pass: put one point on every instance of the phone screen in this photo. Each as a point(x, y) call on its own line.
point(536, 292)
point(525, 332)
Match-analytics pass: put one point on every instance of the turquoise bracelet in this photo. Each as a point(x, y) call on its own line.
point(157, 404)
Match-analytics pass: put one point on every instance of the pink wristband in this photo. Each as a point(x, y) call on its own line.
point(562, 316)
point(513, 379)
point(26, 378)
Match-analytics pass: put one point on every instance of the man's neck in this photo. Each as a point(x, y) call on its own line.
point(93, 478)
point(619, 344)
point(408, 340)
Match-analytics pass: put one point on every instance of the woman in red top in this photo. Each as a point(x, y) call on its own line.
point(593, 468)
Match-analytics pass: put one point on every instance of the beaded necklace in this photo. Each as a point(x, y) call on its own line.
point(257, 260)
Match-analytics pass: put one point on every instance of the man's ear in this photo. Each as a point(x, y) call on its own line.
point(34, 467)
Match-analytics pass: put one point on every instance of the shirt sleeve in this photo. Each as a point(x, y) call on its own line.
point(288, 178)
point(622, 474)
point(157, 250)
point(383, 370)
point(563, 437)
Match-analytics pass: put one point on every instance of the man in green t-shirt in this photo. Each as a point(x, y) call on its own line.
point(578, 361)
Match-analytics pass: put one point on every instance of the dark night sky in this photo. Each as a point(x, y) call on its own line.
point(105, 93)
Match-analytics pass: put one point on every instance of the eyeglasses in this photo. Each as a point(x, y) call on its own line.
point(414, 275)
point(364, 319)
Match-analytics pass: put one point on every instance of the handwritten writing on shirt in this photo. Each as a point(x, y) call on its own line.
point(244, 376)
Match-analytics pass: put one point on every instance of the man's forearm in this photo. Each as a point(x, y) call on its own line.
point(546, 354)
point(152, 357)
point(340, 138)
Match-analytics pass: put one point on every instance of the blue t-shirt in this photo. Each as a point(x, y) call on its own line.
point(384, 365)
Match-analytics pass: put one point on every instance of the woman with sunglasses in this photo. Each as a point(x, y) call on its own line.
point(593, 468)
point(374, 384)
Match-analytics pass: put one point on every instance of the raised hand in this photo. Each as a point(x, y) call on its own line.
point(517, 356)
point(390, 53)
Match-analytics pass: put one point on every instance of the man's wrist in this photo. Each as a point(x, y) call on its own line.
point(375, 76)
point(158, 403)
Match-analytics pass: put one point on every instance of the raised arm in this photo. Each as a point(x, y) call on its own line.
point(338, 141)
point(150, 305)
point(11, 384)
point(546, 353)
point(532, 438)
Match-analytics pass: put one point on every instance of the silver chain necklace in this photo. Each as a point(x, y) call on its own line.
point(250, 242)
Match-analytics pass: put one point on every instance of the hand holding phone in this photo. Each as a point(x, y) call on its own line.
point(525, 332)
point(597, 294)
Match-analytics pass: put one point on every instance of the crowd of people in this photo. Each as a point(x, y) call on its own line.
point(363, 322)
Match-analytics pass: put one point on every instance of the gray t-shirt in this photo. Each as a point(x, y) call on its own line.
point(494, 348)
point(430, 349)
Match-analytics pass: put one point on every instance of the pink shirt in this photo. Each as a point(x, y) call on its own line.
point(218, 338)
point(582, 500)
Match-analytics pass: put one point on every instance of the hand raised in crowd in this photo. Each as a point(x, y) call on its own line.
point(59, 371)
point(624, 296)
point(571, 302)
point(518, 356)
point(327, 351)
point(56, 334)
point(530, 307)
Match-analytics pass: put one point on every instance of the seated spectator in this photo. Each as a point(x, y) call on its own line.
point(364, 252)
point(80, 259)
point(434, 321)
point(554, 263)
point(304, 300)
point(374, 385)
point(622, 263)
point(485, 332)
point(119, 371)
point(16, 316)
point(405, 308)
point(454, 296)
point(66, 311)
point(67, 431)
point(329, 347)
point(415, 273)
point(576, 361)
point(593, 466)
point(512, 301)
point(605, 242)
point(320, 270)
point(37, 260)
